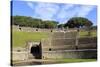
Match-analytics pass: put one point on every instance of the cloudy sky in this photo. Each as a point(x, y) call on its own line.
point(60, 12)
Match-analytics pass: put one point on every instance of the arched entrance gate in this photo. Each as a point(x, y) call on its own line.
point(34, 50)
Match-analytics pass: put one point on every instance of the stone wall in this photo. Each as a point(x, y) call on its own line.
point(83, 54)
point(60, 46)
point(30, 29)
point(63, 45)
point(19, 56)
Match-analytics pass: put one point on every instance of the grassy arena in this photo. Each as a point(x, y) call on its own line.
point(19, 38)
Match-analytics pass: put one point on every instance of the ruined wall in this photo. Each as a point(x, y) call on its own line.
point(67, 45)
point(87, 43)
point(30, 29)
point(85, 54)
point(19, 56)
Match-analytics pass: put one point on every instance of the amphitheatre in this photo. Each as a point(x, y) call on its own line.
point(53, 33)
point(53, 46)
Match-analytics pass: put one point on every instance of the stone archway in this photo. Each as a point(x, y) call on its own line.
point(36, 51)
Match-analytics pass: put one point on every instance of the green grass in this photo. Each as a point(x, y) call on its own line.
point(85, 33)
point(77, 60)
point(19, 38)
point(67, 60)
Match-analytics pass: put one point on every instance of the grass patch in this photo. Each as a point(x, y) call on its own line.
point(85, 33)
point(76, 60)
point(19, 38)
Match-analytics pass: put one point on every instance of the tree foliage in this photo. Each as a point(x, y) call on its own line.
point(39, 23)
point(61, 25)
point(33, 22)
point(78, 22)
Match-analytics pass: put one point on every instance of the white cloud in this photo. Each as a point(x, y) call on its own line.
point(61, 12)
point(66, 12)
point(67, 6)
point(30, 4)
point(46, 10)
point(80, 11)
point(84, 10)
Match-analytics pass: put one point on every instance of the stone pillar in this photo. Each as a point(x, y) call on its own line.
point(77, 37)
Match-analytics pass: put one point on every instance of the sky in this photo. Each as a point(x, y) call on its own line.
point(60, 12)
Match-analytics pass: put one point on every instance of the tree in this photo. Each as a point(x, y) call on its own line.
point(94, 27)
point(60, 25)
point(78, 22)
point(50, 24)
point(33, 22)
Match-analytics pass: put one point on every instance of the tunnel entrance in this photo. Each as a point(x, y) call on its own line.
point(36, 51)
